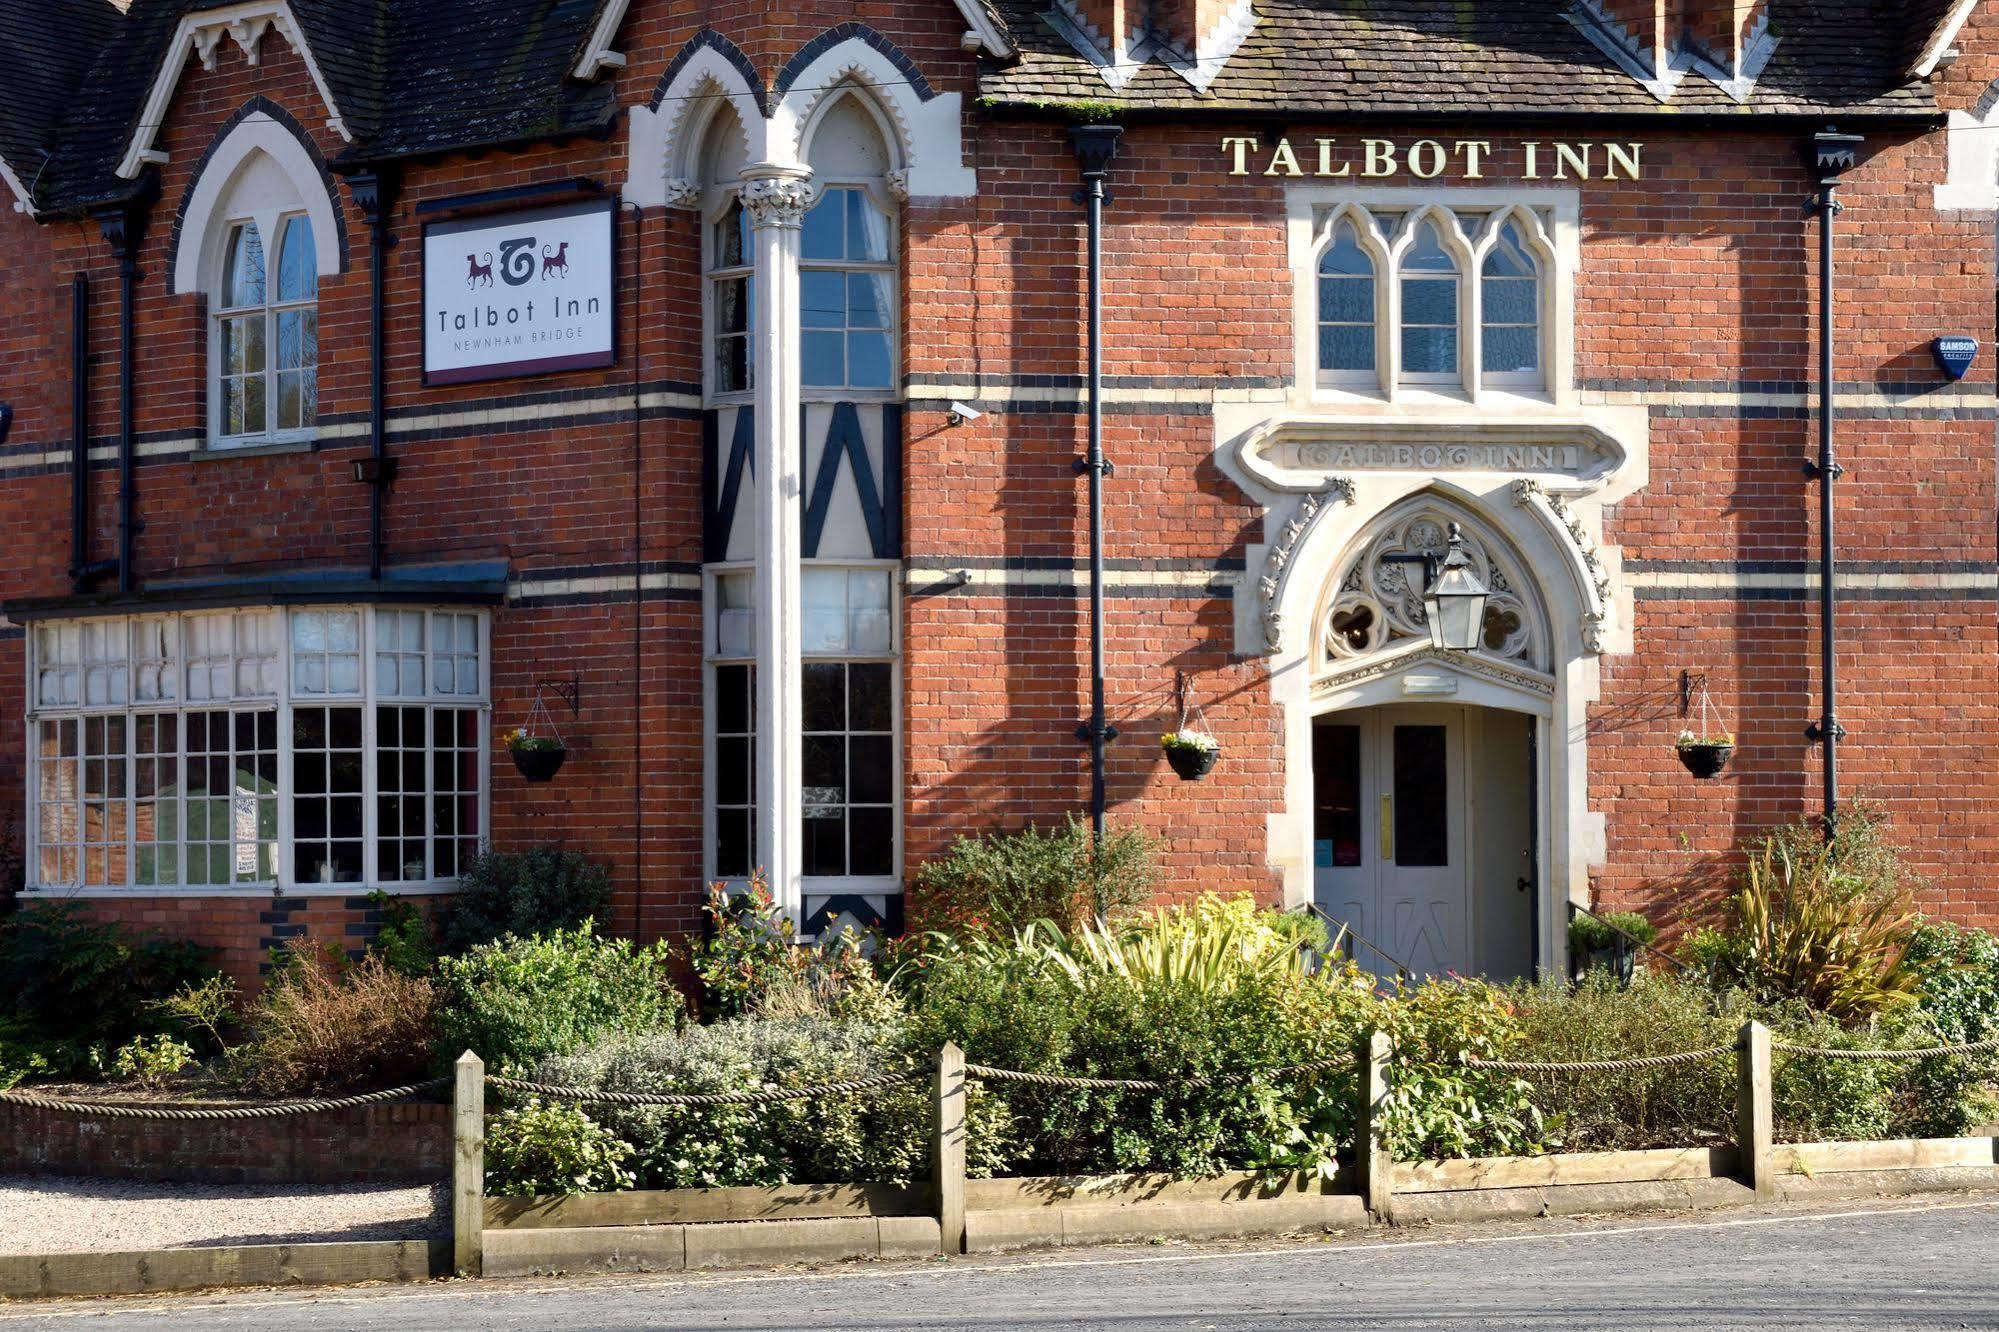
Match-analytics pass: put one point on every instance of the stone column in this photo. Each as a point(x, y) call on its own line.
point(777, 197)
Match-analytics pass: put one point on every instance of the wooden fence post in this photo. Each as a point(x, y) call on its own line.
point(1754, 1117)
point(947, 1149)
point(1371, 1156)
point(468, 1166)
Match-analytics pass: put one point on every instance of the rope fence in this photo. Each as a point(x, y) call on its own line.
point(1601, 1065)
point(267, 1110)
point(1932, 1052)
point(762, 1096)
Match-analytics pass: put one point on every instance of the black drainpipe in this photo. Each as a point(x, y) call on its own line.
point(123, 227)
point(81, 571)
point(1095, 146)
point(1832, 154)
point(374, 194)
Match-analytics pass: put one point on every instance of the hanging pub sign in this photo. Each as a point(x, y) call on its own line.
point(520, 293)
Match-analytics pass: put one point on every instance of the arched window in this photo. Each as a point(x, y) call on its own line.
point(267, 333)
point(1346, 305)
point(1429, 308)
point(846, 293)
point(1510, 326)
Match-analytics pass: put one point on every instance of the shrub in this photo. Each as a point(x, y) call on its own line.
point(748, 947)
point(1438, 1108)
point(1957, 980)
point(67, 979)
point(13, 865)
point(317, 1028)
point(524, 893)
point(403, 936)
point(1825, 925)
point(870, 1136)
point(1682, 1105)
point(517, 1000)
point(537, 1150)
point(1003, 882)
point(151, 1061)
point(1210, 990)
point(203, 1009)
point(1598, 934)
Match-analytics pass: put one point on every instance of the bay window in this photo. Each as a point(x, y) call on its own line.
point(267, 750)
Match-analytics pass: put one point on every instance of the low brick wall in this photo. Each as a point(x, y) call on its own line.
point(375, 1144)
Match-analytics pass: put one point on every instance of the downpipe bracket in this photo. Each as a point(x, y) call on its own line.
point(1086, 733)
point(1083, 466)
point(1817, 731)
point(1832, 473)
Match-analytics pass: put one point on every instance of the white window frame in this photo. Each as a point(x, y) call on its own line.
point(712, 657)
point(719, 204)
point(1385, 221)
point(269, 223)
point(871, 189)
point(282, 704)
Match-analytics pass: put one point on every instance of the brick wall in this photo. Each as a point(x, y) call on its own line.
point(1700, 275)
point(376, 1144)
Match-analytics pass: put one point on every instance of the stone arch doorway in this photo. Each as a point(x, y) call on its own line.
point(1428, 788)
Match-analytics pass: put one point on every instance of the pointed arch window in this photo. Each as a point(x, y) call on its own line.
point(1510, 303)
point(1429, 308)
point(1346, 306)
point(267, 334)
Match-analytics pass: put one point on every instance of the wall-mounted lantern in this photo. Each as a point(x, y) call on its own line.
point(1453, 595)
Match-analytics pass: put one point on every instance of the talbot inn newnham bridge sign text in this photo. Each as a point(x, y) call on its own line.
point(711, 397)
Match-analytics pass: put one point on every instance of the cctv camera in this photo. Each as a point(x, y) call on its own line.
point(962, 412)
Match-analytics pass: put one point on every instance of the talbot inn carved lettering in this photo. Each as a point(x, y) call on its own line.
point(1441, 457)
point(1427, 159)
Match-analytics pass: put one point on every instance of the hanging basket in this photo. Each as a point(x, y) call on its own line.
point(1191, 762)
point(1704, 759)
point(540, 763)
point(537, 746)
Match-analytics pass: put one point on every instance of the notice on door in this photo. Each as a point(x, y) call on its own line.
point(520, 293)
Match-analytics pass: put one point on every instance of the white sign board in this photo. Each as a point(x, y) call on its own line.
point(518, 293)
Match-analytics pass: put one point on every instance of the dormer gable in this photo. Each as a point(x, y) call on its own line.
point(1193, 38)
point(1660, 42)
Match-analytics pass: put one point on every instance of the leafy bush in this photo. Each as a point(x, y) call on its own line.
point(1957, 980)
point(1598, 934)
point(537, 1150)
point(1683, 1105)
point(403, 936)
point(1004, 882)
point(524, 893)
point(319, 1028)
point(869, 1136)
point(202, 1009)
point(1214, 989)
point(517, 1000)
point(13, 865)
point(1825, 925)
point(151, 1060)
point(70, 980)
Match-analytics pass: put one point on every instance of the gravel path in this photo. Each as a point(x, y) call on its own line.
point(48, 1214)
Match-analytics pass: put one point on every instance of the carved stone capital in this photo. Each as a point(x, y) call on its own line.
point(898, 185)
point(683, 193)
point(778, 199)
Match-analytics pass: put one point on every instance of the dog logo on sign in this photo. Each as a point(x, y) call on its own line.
point(479, 272)
point(556, 264)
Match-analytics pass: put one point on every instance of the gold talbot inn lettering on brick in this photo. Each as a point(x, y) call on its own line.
point(1427, 159)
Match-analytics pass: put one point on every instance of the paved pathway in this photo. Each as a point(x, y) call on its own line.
point(1924, 1263)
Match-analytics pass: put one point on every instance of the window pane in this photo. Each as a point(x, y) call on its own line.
point(873, 837)
point(732, 700)
point(1429, 350)
point(1346, 347)
point(1346, 300)
point(1510, 301)
point(823, 234)
point(252, 416)
point(732, 843)
point(825, 843)
point(868, 360)
point(732, 365)
point(244, 285)
point(298, 264)
point(732, 771)
point(1345, 257)
point(822, 299)
point(871, 774)
point(1428, 253)
point(871, 696)
point(1336, 777)
point(1422, 811)
point(732, 237)
point(1511, 349)
point(867, 229)
point(867, 300)
point(825, 696)
point(1429, 301)
point(824, 363)
point(825, 766)
point(732, 305)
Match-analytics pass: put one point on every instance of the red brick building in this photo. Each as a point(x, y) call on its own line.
point(373, 371)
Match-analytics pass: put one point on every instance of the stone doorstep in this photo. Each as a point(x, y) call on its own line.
point(147, 1272)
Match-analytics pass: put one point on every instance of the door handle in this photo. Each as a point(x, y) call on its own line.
point(1388, 827)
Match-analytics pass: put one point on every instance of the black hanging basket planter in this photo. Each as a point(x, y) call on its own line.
point(1704, 760)
point(1191, 763)
point(539, 765)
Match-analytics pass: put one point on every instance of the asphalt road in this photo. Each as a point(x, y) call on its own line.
point(1908, 1264)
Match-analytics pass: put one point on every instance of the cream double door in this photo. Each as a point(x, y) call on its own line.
point(1391, 835)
